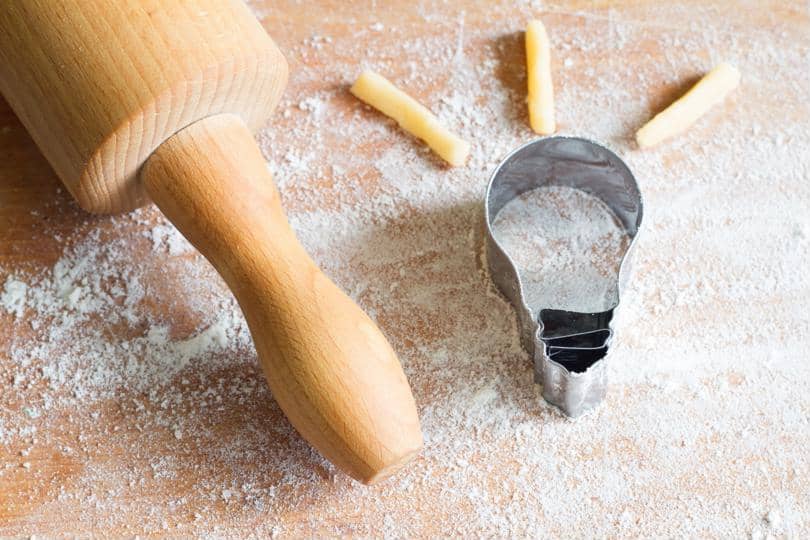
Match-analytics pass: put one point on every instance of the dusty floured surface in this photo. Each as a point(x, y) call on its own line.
point(131, 401)
point(567, 246)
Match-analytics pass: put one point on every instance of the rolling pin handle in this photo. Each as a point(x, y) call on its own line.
point(329, 367)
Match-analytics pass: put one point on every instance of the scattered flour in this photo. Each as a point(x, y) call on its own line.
point(168, 238)
point(126, 342)
point(13, 297)
point(567, 246)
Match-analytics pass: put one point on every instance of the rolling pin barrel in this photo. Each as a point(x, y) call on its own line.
point(130, 100)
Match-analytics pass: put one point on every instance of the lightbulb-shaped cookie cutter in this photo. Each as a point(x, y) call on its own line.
point(568, 347)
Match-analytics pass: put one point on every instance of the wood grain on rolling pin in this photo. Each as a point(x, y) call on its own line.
point(167, 68)
point(330, 369)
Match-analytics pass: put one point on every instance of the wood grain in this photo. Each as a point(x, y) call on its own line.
point(330, 369)
point(99, 84)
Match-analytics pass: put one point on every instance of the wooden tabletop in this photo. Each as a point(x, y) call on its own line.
point(131, 403)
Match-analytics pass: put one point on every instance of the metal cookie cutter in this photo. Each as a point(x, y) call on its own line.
point(567, 347)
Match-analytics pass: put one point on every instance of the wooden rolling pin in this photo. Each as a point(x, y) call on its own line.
point(137, 99)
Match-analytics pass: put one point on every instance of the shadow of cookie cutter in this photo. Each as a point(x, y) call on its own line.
point(568, 347)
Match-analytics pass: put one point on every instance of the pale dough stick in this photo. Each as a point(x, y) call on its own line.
point(676, 118)
point(378, 92)
point(538, 71)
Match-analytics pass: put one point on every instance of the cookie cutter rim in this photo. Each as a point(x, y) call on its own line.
point(584, 335)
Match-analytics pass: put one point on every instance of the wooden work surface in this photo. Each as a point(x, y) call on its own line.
point(705, 431)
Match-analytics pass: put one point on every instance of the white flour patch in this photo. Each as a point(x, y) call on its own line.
point(168, 238)
point(13, 296)
point(567, 246)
